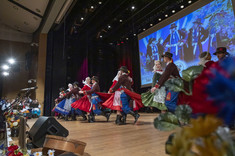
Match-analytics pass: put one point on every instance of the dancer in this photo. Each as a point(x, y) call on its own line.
point(221, 53)
point(90, 102)
point(126, 91)
point(57, 101)
point(170, 71)
point(87, 84)
point(157, 98)
point(64, 107)
point(74, 93)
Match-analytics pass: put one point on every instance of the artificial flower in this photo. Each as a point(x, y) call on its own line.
point(221, 89)
point(203, 126)
point(211, 146)
point(181, 145)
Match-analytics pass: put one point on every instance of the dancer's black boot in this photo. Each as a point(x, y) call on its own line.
point(84, 116)
point(118, 120)
point(135, 115)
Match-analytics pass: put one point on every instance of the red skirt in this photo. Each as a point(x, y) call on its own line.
point(83, 104)
point(111, 100)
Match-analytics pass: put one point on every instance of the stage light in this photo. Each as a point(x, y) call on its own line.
point(5, 73)
point(120, 20)
point(11, 61)
point(173, 11)
point(127, 38)
point(144, 29)
point(151, 24)
point(182, 6)
point(109, 26)
point(122, 42)
point(133, 7)
point(189, 2)
point(82, 18)
point(134, 34)
point(159, 19)
point(92, 7)
point(100, 2)
point(5, 67)
point(166, 15)
point(101, 36)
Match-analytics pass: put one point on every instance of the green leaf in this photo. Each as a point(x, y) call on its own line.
point(175, 84)
point(191, 73)
point(183, 113)
point(166, 122)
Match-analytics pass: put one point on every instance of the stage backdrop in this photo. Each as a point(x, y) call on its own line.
point(200, 27)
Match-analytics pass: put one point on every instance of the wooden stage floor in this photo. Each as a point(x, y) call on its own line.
point(107, 139)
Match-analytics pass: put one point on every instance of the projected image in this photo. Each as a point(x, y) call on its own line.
point(205, 29)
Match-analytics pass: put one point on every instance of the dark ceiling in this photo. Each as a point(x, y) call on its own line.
point(100, 20)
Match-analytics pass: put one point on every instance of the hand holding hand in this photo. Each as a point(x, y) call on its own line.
point(153, 89)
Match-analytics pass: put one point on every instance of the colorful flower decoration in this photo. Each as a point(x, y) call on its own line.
point(221, 89)
point(204, 137)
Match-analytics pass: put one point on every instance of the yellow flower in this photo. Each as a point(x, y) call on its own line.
point(199, 139)
point(181, 145)
point(203, 127)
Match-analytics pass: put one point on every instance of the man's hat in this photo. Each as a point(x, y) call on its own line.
point(95, 78)
point(75, 83)
point(221, 50)
point(173, 26)
point(167, 54)
point(124, 69)
point(198, 21)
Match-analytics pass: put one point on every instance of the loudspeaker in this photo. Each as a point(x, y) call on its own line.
point(42, 127)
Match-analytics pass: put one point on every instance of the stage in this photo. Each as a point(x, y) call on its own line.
point(107, 139)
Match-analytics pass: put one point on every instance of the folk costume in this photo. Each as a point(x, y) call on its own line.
point(156, 99)
point(57, 101)
point(64, 107)
point(90, 102)
point(124, 84)
point(171, 71)
point(74, 93)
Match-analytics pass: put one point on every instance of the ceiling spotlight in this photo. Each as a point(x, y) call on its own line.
point(134, 34)
point(11, 61)
point(173, 11)
point(101, 36)
point(5, 73)
point(133, 7)
point(92, 7)
point(127, 38)
point(159, 19)
point(151, 24)
point(182, 6)
point(109, 26)
point(82, 18)
point(166, 15)
point(120, 20)
point(100, 2)
point(144, 29)
point(5, 67)
point(189, 2)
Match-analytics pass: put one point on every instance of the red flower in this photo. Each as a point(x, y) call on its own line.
point(12, 148)
point(11, 113)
